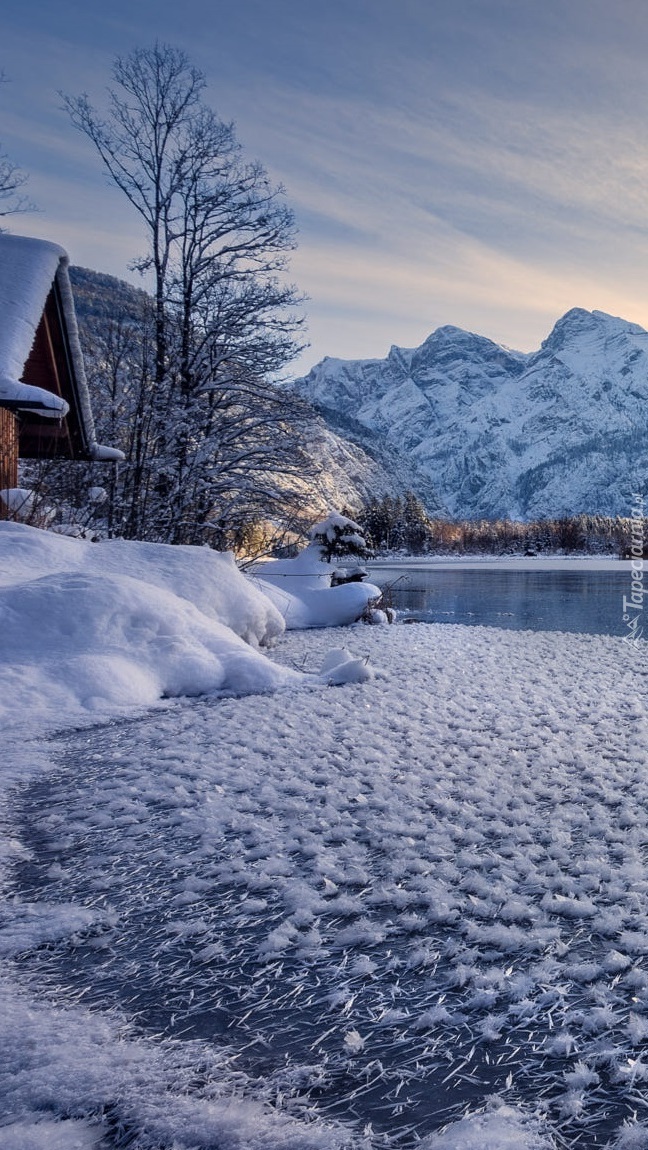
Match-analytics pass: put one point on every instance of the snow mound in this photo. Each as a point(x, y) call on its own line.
point(340, 666)
point(88, 640)
point(96, 626)
point(208, 579)
point(301, 590)
point(303, 607)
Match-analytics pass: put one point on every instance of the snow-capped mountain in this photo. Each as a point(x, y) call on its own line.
point(499, 432)
point(353, 469)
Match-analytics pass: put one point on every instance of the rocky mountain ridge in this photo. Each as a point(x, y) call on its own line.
point(501, 433)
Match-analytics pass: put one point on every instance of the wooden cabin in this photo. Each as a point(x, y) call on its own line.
point(45, 410)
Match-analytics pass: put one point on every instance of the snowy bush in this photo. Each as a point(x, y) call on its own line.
point(337, 537)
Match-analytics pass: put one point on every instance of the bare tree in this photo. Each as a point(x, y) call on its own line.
point(218, 239)
point(12, 180)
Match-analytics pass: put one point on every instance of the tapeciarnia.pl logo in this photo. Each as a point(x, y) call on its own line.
point(633, 606)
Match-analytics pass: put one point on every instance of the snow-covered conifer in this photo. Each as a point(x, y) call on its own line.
point(338, 537)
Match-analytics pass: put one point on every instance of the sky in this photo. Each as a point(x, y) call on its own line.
point(482, 163)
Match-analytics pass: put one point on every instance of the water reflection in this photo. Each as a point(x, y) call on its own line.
point(586, 602)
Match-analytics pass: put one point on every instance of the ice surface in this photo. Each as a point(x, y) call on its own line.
point(344, 917)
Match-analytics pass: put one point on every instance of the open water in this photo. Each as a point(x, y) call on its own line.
point(586, 602)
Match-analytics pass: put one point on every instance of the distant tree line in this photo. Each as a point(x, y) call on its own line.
point(402, 524)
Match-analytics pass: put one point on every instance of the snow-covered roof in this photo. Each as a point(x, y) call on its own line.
point(25, 397)
point(28, 269)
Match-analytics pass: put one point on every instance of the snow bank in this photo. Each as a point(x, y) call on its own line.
point(208, 579)
point(98, 626)
point(87, 640)
point(300, 589)
point(302, 607)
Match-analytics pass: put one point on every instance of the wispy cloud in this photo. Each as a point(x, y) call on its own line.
point(466, 214)
point(461, 162)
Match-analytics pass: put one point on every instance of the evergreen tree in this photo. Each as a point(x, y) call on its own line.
point(338, 537)
point(416, 524)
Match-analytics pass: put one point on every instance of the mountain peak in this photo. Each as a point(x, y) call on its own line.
point(577, 321)
point(449, 333)
point(499, 432)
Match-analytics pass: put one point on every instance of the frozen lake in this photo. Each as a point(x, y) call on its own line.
point(515, 596)
point(356, 915)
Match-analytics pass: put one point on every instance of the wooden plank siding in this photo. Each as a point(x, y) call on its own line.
point(49, 366)
point(8, 453)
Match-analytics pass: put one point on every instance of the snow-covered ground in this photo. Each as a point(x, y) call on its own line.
point(322, 916)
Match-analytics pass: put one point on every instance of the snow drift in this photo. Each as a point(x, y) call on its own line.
point(115, 624)
point(102, 626)
point(301, 588)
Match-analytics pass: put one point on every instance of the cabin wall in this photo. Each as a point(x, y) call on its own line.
point(49, 365)
point(8, 453)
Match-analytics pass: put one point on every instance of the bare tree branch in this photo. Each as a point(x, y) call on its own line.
point(12, 179)
point(222, 442)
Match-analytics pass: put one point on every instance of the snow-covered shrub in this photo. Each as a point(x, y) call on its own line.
point(23, 505)
point(338, 537)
